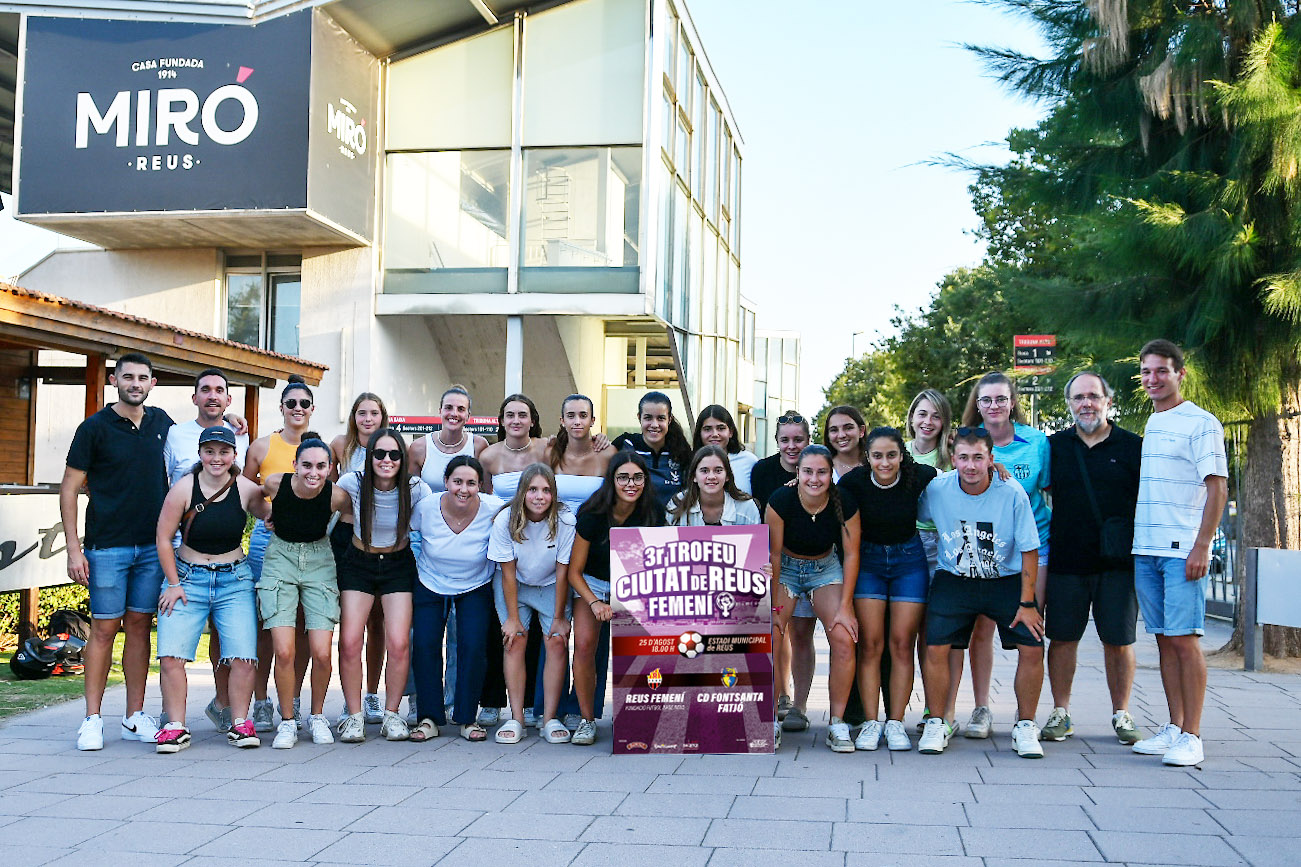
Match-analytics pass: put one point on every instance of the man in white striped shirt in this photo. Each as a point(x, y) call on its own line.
point(1183, 485)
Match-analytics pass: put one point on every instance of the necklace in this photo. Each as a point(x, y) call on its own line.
point(528, 445)
point(813, 516)
point(456, 525)
point(459, 443)
point(885, 487)
point(844, 469)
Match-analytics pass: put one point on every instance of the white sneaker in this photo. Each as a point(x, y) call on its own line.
point(869, 736)
point(394, 727)
point(935, 736)
point(586, 733)
point(838, 736)
point(140, 726)
point(896, 736)
point(286, 735)
point(1160, 743)
point(1187, 751)
point(90, 734)
point(319, 726)
point(353, 729)
point(372, 709)
point(1025, 737)
point(980, 724)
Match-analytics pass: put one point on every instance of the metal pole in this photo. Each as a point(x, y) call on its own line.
point(1253, 653)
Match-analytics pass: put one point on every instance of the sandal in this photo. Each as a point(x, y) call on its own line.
point(474, 732)
point(555, 732)
point(426, 730)
point(510, 732)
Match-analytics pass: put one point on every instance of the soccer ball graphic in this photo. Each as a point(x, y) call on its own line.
point(691, 644)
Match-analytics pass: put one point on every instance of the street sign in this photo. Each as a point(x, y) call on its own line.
point(1035, 385)
point(1034, 354)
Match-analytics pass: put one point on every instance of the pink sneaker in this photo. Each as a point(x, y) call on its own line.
point(243, 735)
point(172, 738)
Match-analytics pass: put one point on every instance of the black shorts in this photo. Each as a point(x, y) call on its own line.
point(956, 602)
point(340, 541)
point(1110, 594)
point(377, 574)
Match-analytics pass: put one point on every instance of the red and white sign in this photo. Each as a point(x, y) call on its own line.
point(1034, 354)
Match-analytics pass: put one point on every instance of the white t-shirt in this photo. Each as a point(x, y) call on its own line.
point(1181, 447)
point(742, 465)
point(384, 528)
point(536, 557)
point(454, 563)
point(181, 451)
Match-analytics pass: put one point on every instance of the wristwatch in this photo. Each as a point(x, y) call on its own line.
point(1030, 604)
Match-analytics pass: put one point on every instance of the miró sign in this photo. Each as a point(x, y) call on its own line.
point(157, 115)
point(350, 133)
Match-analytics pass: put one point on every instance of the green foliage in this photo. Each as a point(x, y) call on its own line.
point(51, 599)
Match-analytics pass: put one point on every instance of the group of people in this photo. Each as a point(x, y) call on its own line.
point(486, 559)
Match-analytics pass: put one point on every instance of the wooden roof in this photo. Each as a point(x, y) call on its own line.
point(43, 321)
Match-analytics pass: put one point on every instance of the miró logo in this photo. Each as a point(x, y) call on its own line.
point(342, 123)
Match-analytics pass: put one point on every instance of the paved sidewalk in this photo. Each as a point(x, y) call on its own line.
point(451, 802)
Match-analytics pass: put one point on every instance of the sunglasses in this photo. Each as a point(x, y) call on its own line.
point(294, 403)
point(977, 432)
point(791, 418)
point(381, 454)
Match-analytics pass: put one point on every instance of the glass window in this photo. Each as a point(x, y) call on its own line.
point(726, 307)
point(584, 73)
point(695, 256)
point(736, 208)
point(712, 156)
point(727, 371)
point(726, 159)
point(668, 121)
point(581, 207)
point(245, 300)
point(664, 304)
point(708, 286)
point(701, 141)
point(447, 210)
point(470, 107)
point(286, 292)
point(734, 291)
point(682, 150)
point(708, 384)
point(788, 380)
point(686, 62)
point(791, 350)
point(681, 256)
point(774, 361)
point(262, 301)
point(667, 40)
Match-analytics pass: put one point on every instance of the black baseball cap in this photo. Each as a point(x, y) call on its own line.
point(218, 434)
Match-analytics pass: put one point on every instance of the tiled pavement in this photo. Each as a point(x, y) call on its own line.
point(451, 802)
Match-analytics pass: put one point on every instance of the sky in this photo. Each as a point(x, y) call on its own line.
point(840, 105)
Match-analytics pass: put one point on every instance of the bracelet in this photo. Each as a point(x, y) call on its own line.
point(177, 584)
point(593, 602)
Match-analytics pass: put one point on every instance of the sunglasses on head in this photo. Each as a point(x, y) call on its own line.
point(381, 454)
point(295, 402)
point(791, 418)
point(977, 432)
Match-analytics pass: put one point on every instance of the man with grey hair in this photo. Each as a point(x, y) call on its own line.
point(1094, 465)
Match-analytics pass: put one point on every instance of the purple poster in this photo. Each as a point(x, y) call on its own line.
point(692, 640)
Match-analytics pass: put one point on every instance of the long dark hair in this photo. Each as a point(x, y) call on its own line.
point(535, 429)
point(675, 440)
point(352, 440)
point(684, 502)
point(717, 412)
point(833, 491)
point(556, 455)
point(857, 418)
point(368, 487)
point(646, 512)
point(907, 465)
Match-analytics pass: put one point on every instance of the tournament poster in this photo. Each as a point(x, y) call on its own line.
point(691, 640)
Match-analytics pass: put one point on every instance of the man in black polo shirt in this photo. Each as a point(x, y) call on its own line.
point(117, 454)
point(1079, 574)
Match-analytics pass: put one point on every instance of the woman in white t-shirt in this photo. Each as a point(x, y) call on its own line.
point(715, 427)
point(532, 539)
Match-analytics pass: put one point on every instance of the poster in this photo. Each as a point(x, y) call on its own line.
point(691, 640)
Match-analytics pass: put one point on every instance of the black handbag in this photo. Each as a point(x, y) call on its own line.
point(1115, 534)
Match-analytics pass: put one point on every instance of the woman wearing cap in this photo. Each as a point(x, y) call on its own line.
point(208, 575)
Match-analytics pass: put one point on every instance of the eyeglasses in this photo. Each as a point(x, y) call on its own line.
point(381, 454)
point(1001, 400)
point(977, 432)
point(1086, 398)
point(630, 479)
point(294, 403)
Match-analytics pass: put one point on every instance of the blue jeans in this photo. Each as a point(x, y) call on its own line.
point(429, 616)
point(569, 702)
point(257, 548)
point(123, 579)
point(224, 591)
point(895, 573)
point(1171, 604)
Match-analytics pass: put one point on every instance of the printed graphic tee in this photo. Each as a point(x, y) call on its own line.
point(980, 536)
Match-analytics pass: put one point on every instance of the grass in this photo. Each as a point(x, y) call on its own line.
point(20, 696)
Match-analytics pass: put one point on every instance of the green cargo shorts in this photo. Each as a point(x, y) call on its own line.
point(295, 573)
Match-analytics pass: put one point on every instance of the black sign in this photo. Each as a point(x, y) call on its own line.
point(1034, 356)
point(130, 116)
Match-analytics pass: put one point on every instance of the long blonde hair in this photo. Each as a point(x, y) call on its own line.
point(519, 516)
point(943, 460)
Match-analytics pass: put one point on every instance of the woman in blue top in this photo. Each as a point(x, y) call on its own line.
point(661, 443)
point(1023, 450)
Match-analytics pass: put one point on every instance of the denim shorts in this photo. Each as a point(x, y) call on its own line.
point(257, 547)
point(596, 585)
point(1171, 604)
point(298, 572)
point(801, 577)
point(223, 591)
point(529, 599)
point(123, 579)
point(931, 545)
point(895, 573)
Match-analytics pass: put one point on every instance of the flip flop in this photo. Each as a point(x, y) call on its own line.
point(474, 732)
point(510, 732)
point(426, 730)
point(555, 732)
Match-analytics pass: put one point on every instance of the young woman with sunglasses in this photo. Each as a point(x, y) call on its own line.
point(623, 500)
point(269, 457)
point(711, 496)
point(368, 414)
point(804, 556)
point(716, 427)
point(661, 444)
point(994, 405)
point(378, 562)
point(533, 539)
point(455, 576)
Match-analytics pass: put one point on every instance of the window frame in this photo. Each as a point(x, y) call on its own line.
point(266, 271)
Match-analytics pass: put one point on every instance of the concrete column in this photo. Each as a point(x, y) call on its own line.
point(514, 354)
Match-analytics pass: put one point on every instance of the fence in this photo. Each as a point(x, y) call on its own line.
point(1227, 574)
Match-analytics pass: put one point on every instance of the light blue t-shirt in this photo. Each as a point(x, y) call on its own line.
point(979, 536)
point(1027, 459)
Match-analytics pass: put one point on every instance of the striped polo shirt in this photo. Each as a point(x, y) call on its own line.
point(1181, 447)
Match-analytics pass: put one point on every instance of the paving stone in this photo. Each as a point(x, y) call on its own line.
point(625, 783)
point(807, 788)
point(551, 800)
point(667, 805)
point(290, 844)
point(30, 854)
point(74, 784)
point(176, 837)
point(647, 830)
point(877, 859)
point(1253, 799)
point(1124, 796)
point(203, 812)
point(324, 817)
point(773, 807)
point(483, 800)
point(356, 794)
point(729, 765)
point(1036, 774)
point(57, 831)
point(414, 821)
point(495, 851)
point(1249, 780)
point(1258, 823)
point(318, 771)
point(520, 780)
point(100, 858)
point(1265, 851)
point(949, 793)
point(1190, 850)
point(1153, 819)
point(1030, 813)
point(258, 790)
point(1156, 777)
point(512, 825)
point(391, 848)
point(769, 834)
point(649, 764)
point(997, 843)
point(906, 812)
point(686, 784)
point(897, 839)
point(726, 856)
point(624, 854)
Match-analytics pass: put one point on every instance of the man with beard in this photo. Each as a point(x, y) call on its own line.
point(1094, 465)
point(117, 454)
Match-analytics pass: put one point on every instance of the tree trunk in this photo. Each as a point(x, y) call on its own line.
point(1269, 504)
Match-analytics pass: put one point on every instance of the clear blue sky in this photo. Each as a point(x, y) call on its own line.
point(839, 103)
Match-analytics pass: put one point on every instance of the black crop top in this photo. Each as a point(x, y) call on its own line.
point(809, 535)
point(219, 527)
point(888, 516)
point(296, 519)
